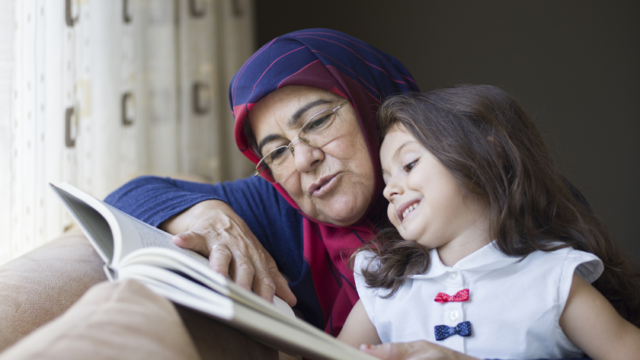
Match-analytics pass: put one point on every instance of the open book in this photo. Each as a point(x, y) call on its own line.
point(133, 249)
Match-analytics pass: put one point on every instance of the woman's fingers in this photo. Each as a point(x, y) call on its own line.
point(193, 241)
point(239, 257)
point(220, 258)
point(219, 254)
point(242, 271)
point(214, 230)
point(263, 284)
point(282, 289)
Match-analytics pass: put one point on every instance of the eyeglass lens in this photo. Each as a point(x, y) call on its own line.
point(318, 131)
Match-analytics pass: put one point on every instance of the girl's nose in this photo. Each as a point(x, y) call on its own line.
point(306, 157)
point(392, 189)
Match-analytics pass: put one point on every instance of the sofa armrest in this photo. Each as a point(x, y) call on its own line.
point(118, 320)
point(40, 285)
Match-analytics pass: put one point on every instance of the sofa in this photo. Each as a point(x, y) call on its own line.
point(56, 303)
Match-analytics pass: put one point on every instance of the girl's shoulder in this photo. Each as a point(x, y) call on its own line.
point(365, 259)
point(567, 260)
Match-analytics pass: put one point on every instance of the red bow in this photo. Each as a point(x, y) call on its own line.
point(462, 295)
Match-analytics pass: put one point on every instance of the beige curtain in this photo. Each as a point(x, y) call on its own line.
point(97, 92)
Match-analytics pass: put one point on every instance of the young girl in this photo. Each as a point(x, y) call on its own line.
point(492, 253)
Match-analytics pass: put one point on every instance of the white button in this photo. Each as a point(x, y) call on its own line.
point(452, 275)
point(454, 315)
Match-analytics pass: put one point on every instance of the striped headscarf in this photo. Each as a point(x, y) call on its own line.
point(336, 62)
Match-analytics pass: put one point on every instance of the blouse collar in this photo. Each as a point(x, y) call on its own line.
point(485, 259)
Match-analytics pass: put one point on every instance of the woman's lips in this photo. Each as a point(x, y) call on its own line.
point(324, 185)
point(409, 207)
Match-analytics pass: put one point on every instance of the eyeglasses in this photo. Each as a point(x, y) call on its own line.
point(317, 132)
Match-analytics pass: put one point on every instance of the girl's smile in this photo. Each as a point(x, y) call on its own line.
point(406, 208)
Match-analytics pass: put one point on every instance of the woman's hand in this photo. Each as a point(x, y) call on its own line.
point(214, 230)
point(417, 350)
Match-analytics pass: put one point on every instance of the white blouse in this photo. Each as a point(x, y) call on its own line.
point(514, 303)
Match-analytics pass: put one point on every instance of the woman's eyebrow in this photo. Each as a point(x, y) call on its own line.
point(266, 140)
point(292, 122)
point(296, 116)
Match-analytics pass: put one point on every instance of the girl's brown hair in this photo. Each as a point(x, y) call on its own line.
point(494, 151)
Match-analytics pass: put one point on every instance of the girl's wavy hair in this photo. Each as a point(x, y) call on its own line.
point(494, 151)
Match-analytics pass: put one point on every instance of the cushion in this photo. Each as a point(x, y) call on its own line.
point(118, 320)
point(41, 285)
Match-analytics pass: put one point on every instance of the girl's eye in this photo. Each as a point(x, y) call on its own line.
point(407, 168)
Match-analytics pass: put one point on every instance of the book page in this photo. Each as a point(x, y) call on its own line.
point(202, 274)
point(174, 285)
point(113, 233)
point(291, 338)
point(92, 222)
point(289, 334)
point(136, 234)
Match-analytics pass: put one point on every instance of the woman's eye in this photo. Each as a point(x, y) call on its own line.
point(276, 154)
point(318, 123)
point(409, 166)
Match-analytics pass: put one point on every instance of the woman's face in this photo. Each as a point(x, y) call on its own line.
point(333, 184)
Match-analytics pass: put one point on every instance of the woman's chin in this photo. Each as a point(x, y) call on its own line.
point(341, 212)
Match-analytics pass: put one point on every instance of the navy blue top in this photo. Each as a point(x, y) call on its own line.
point(276, 224)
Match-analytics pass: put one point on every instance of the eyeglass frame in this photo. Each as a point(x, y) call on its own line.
point(290, 145)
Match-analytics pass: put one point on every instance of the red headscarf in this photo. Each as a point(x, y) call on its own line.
point(336, 62)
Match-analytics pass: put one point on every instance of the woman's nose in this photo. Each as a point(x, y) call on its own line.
point(306, 157)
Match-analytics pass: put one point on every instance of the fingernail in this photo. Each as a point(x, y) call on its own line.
point(365, 346)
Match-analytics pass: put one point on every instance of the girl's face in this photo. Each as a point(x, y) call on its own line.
point(426, 204)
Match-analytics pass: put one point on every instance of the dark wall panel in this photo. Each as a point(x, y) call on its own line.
point(574, 65)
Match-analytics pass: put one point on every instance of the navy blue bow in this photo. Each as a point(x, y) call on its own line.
point(444, 331)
